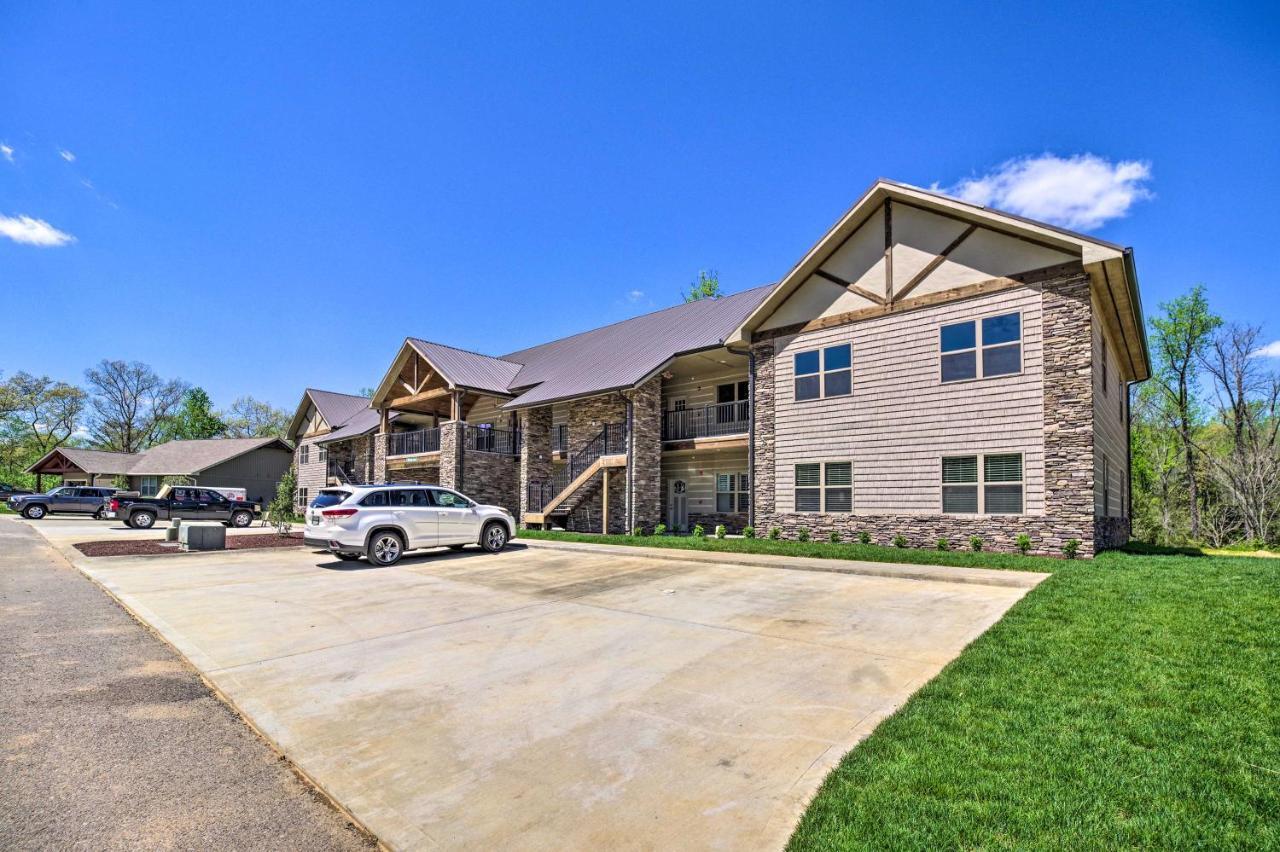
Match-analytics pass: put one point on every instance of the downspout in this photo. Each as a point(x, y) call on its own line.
point(751, 434)
point(1128, 452)
point(628, 494)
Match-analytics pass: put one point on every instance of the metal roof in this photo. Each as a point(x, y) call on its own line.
point(95, 461)
point(337, 408)
point(467, 369)
point(175, 458)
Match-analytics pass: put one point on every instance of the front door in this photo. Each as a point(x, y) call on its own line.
point(678, 506)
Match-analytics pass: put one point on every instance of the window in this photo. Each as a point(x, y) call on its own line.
point(1106, 486)
point(302, 496)
point(990, 485)
point(731, 402)
point(824, 487)
point(732, 493)
point(375, 498)
point(450, 500)
point(149, 486)
point(322, 454)
point(1000, 347)
point(327, 498)
point(824, 372)
point(304, 454)
point(1104, 366)
point(1120, 397)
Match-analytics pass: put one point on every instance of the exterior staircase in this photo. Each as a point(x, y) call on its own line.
point(580, 477)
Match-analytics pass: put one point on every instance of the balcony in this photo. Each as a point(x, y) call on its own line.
point(484, 439)
point(414, 443)
point(709, 421)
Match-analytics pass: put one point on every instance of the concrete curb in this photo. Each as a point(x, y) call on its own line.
point(902, 571)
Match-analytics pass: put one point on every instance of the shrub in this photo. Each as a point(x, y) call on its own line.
point(1024, 543)
point(975, 542)
point(1069, 549)
point(775, 533)
point(280, 512)
point(944, 543)
point(638, 532)
point(834, 537)
point(660, 529)
point(698, 531)
point(899, 540)
point(748, 532)
point(864, 537)
point(721, 532)
point(802, 534)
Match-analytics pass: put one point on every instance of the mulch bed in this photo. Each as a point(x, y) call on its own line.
point(143, 547)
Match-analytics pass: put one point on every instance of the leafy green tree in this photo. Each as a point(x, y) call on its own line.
point(37, 414)
point(194, 419)
point(1180, 338)
point(251, 418)
point(707, 286)
point(280, 513)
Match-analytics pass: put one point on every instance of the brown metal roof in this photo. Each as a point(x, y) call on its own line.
point(175, 458)
point(337, 408)
point(467, 369)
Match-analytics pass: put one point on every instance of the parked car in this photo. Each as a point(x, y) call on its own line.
point(68, 499)
point(7, 491)
point(183, 501)
point(381, 522)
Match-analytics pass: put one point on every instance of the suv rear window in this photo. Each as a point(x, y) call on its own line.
point(326, 499)
point(375, 498)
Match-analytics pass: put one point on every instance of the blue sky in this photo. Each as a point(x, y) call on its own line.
point(303, 186)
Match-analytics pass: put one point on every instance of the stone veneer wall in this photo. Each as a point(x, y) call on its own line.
point(585, 516)
point(491, 478)
point(379, 472)
point(588, 416)
point(1068, 446)
point(1111, 532)
point(425, 475)
point(734, 522)
point(451, 454)
point(535, 453)
point(645, 467)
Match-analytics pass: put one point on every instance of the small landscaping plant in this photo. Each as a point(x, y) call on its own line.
point(833, 537)
point(748, 532)
point(864, 537)
point(802, 534)
point(280, 512)
point(1024, 543)
point(944, 543)
point(698, 531)
point(1069, 549)
point(775, 533)
point(899, 540)
point(721, 532)
point(638, 532)
point(975, 542)
point(660, 529)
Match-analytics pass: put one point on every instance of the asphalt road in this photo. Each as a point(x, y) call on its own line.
point(110, 741)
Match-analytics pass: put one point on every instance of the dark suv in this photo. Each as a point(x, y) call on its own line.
point(69, 499)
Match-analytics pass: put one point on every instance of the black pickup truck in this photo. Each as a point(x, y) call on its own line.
point(183, 501)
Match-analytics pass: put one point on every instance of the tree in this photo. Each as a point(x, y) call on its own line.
point(707, 286)
point(280, 513)
point(251, 418)
point(37, 414)
point(131, 404)
point(194, 419)
point(1181, 338)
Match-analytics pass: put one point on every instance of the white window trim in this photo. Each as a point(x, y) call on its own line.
point(982, 484)
point(304, 454)
point(822, 487)
point(822, 373)
point(738, 479)
point(979, 346)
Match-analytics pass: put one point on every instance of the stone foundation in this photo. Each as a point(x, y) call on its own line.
point(1110, 533)
point(734, 522)
point(491, 478)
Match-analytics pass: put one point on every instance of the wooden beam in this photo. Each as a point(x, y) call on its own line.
point(888, 250)
point(414, 399)
point(933, 264)
point(850, 286)
point(604, 502)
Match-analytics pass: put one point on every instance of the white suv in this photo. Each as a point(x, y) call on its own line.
point(383, 521)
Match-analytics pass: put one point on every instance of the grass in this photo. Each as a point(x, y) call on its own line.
point(5, 510)
point(817, 549)
point(1132, 701)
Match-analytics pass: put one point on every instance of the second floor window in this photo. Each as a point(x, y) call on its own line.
point(824, 372)
point(304, 454)
point(981, 349)
point(322, 454)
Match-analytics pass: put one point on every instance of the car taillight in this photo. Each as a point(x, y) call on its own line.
point(115, 505)
point(339, 513)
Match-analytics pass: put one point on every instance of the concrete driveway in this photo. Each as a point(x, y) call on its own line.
point(546, 698)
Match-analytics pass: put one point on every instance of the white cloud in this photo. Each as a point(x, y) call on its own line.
point(6, 151)
point(1271, 350)
point(1081, 192)
point(32, 232)
point(67, 155)
point(634, 296)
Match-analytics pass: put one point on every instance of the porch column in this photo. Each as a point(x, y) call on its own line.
point(535, 452)
point(451, 439)
point(644, 463)
point(379, 471)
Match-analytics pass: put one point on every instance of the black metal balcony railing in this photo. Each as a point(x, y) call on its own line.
point(709, 421)
point(610, 441)
point(413, 443)
point(560, 439)
point(488, 440)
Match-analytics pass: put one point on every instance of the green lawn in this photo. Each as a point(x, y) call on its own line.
point(5, 510)
point(818, 549)
point(1131, 701)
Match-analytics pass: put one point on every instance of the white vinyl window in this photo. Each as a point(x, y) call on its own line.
point(149, 486)
point(302, 496)
point(304, 454)
point(322, 454)
point(824, 487)
point(732, 492)
point(982, 485)
point(981, 348)
point(822, 373)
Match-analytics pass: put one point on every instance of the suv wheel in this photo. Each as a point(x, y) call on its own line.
point(35, 512)
point(494, 537)
point(142, 520)
point(241, 518)
point(386, 548)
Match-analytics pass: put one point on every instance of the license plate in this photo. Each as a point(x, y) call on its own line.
point(315, 520)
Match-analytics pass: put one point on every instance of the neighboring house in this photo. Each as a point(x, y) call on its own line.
point(332, 435)
point(254, 464)
point(929, 368)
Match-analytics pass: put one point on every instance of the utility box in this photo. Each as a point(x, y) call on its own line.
point(202, 537)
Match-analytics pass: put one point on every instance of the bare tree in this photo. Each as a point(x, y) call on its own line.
point(251, 418)
point(130, 404)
